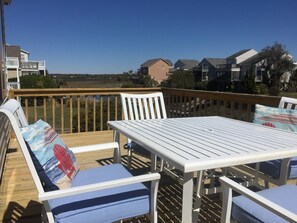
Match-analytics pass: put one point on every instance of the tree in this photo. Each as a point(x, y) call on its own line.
point(147, 81)
point(248, 83)
point(180, 79)
point(276, 61)
point(293, 81)
point(37, 81)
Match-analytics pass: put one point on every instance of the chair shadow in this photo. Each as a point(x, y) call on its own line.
point(16, 213)
point(11, 150)
point(139, 166)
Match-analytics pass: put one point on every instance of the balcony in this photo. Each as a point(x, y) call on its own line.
point(13, 85)
point(66, 109)
point(30, 65)
point(12, 62)
point(227, 66)
point(33, 65)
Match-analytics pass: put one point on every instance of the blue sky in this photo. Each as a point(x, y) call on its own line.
point(114, 36)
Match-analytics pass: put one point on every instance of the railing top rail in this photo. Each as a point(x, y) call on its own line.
point(215, 95)
point(77, 91)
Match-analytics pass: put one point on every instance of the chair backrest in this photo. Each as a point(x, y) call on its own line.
point(289, 103)
point(143, 106)
point(8, 121)
point(15, 108)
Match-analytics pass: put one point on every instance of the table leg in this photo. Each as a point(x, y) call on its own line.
point(187, 198)
point(198, 199)
point(153, 163)
point(116, 152)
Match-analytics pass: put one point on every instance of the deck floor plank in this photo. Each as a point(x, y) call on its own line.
point(18, 195)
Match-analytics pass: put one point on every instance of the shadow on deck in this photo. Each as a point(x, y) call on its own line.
point(18, 195)
point(169, 201)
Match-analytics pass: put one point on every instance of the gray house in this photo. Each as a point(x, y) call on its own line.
point(185, 64)
point(228, 69)
point(207, 69)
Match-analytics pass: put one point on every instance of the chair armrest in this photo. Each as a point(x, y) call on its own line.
point(98, 186)
point(269, 205)
point(95, 147)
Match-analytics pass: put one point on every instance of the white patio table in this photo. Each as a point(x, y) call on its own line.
point(201, 143)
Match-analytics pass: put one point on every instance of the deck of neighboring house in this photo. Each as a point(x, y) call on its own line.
point(18, 195)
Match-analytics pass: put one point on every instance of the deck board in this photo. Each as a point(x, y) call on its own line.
point(18, 195)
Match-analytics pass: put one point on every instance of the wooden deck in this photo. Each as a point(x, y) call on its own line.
point(18, 196)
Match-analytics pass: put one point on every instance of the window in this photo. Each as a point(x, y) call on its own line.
point(235, 75)
point(204, 76)
point(259, 74)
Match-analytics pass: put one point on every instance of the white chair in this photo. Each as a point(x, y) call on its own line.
point(15, 108)
point(102, 194)
point(274, 205)
point(289, 103)
point(140, 107)
point(279, 171)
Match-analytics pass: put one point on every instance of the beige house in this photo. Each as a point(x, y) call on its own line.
point(159, 69)
point(18, 64)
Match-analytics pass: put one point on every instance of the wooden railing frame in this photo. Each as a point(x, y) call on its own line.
point(179, 103)
point(56, 99)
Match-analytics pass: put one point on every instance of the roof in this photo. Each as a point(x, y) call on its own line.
point(216, 61)
point(150, 62)
point(252, 60)
point(17, 46)
point(233, 56)
point(188, 63)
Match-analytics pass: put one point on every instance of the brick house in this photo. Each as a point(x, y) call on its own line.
point(159, 69)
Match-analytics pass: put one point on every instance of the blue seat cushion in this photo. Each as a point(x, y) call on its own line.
point(137, 148)
point(102, 206)
point(273, 167)
point(245, 210)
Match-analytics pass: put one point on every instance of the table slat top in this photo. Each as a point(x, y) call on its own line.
point(199, 143)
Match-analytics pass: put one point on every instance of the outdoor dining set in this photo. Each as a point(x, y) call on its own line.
point(189, 149)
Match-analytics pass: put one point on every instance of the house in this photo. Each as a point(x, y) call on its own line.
point(159, 69)
point(254, 65)
point(207, 69)
point(258, 65)
point(18, 64)
point(185, 64)
point(233, 62)
point(228, 69)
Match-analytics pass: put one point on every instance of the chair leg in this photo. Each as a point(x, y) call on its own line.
point(153, 216)
point(46, 215)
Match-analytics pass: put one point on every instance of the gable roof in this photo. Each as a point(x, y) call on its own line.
point(150, 62)
point(188, 63)
point(252, 60)
point(233, 56)
point(215, 61)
